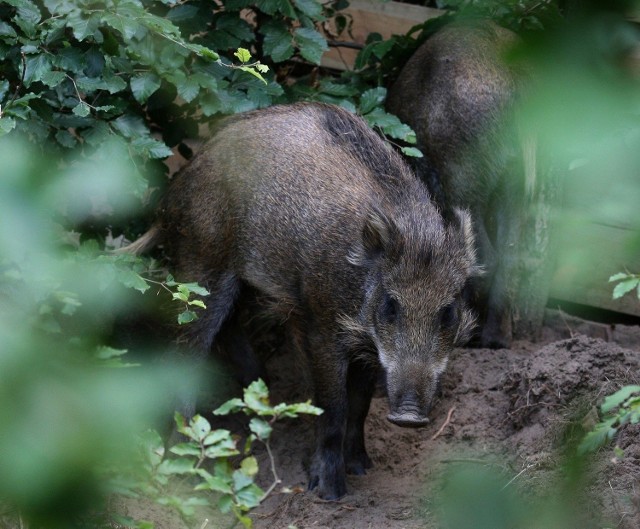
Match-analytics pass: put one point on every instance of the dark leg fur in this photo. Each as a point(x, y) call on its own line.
point(361, 383)
point(327, 471)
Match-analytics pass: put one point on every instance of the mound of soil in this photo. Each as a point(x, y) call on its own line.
point(515, 410)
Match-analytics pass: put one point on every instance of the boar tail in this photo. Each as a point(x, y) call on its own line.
point(143, 243)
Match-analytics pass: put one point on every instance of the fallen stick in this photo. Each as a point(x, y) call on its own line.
point(444, 425)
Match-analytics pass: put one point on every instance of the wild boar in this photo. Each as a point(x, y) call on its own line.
point(309, 207)
point(458, 93)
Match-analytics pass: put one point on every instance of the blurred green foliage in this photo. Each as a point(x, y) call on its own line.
point(65, 409)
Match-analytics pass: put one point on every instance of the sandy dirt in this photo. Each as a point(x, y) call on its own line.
point(507, 410)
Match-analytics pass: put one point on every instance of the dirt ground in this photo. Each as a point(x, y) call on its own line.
point(505, 417)
point(507, 410)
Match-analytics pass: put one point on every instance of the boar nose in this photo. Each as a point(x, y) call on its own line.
point(408, 419)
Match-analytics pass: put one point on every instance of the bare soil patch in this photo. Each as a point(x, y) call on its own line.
point(515, 409)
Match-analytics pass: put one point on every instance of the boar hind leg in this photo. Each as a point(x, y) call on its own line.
point(361, 381)
point(497, 331)
point(327, 472)
point(234, 346)
point(197, 337)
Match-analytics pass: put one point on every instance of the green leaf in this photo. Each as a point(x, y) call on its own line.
point(52, 79)
point(83, 27)
point(249, 466)
point(7, 125)
point(231, 406)
point(278, 42)
point(602, 434)
point(311, 8)
point(180, 465)
point(6, 31)
point(612, 401)
point(197, 303)
point(187, 317)
point(188, 88)
point(625, 286)
point(311, 44)
point(372, 98)
point(225, 503)
point(261, 428)
point(271, 7)
point(412, 151)
point(225, 448)
point(35, 67)
point(253, 72)
point(131, 279)
point(196, 289)
point(81, 109)
point(200, 427)
point(618, 277)
point(216, 436)
point(215, 483)
point(151, 148)
point(130, 126)
point(28, 16)
point(143, 85)
point(185, 449)
point(248, 496)
point(243, 55)
point(179, 296)
point(104, 352)
point(122, 23)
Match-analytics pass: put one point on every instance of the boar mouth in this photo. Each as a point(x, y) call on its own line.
point(408, 419)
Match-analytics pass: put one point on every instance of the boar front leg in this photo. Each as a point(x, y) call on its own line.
point(361, 381)
point(327, 471)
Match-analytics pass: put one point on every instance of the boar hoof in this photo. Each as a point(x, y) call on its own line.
point(407, 419)
point(328, 485)
point(357, 464)
point(494, 340)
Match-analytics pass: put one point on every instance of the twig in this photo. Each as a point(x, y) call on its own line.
point(518, 475)
point(276, 479)
point(205, 523)
point(470, 460)
point(444, 425)
point(571, 335)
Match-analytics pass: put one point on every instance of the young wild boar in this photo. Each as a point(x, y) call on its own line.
point(458, 93)
point(307, 206)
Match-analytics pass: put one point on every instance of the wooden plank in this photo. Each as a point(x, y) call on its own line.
point(370, 16)
point(589, 254)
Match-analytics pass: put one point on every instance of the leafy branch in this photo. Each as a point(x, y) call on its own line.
point(626, 283)
point(617, 410)
point(233, 482)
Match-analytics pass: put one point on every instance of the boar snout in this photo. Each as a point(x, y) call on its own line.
point(408, 418)
point(407, 411)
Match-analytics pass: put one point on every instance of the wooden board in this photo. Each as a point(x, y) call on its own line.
point(386, 18)
point(589, 254)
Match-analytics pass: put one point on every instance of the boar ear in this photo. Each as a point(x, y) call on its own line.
point(468, 240)
point(377, 234)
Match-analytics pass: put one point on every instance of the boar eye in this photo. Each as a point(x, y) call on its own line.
point(449, 316)
point(388, 309)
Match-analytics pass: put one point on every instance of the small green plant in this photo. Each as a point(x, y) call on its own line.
point(617, 410)
point(626, 283)
point(224, 472)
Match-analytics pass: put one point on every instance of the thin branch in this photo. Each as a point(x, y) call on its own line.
point(518, 475)
point(277, 480)
point(444, 425)
point(345, 44)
